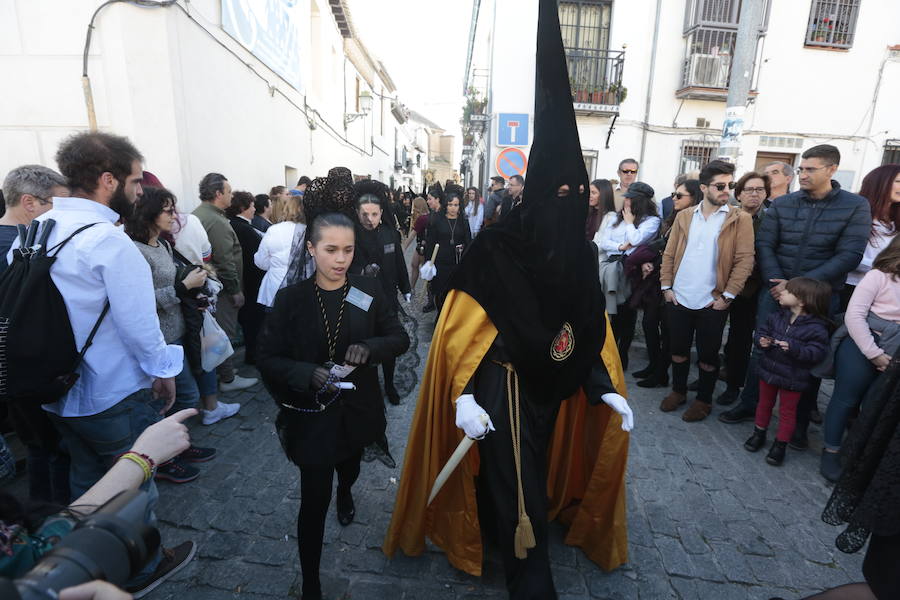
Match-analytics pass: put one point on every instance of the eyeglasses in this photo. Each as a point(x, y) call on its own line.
point(680, 195)
point(802, 170)
point(628, 171)
point(721, 186)
point(757, 190)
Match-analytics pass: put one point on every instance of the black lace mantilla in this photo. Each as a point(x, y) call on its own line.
point(867, 496)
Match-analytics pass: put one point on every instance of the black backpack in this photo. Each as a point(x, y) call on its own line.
point(38, 356)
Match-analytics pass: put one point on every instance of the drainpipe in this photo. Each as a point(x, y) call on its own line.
point(646, 121)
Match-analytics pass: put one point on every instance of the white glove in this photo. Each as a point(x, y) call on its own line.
point(428, 271)
point(620, 405)
point(407, 297)
point(471, 418)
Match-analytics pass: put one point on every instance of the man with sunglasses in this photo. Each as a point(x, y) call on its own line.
point(819, 231)
point(706, 262)
point(627, 171)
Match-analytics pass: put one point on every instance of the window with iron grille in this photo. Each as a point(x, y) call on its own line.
point(832, 23)
point(595, 72)
point(891, 153)
point(696, 153)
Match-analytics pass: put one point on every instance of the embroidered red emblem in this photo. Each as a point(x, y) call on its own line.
point(564, 344)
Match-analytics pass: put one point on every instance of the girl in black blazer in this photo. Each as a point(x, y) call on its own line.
point(331, 318)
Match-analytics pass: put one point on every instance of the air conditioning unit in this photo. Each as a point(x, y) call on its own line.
point(708, 70)
point(400, 112)
point(702, 123)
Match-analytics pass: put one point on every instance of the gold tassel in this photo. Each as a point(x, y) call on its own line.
point(524, 536)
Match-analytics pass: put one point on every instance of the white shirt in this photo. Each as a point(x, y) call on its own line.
point(475, 221)
point(878, 241)
point(613, 234)
point(191, 240)
point(273, 256)
point(99, 263)
point(696, 276)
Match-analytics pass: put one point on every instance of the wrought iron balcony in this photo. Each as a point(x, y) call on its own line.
point(595, 77)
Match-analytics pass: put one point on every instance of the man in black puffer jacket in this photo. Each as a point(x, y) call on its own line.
point(819, 231)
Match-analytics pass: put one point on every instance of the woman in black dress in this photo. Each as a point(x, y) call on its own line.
point(379, 254)
point(329, 319)
point(450, 229)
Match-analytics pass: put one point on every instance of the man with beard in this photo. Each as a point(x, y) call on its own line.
point(519, 361)
point(379, 254)
point(99, 270)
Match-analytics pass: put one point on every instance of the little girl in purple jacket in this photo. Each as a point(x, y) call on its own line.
point(793, 340)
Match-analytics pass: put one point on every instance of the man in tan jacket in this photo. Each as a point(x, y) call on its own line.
point(707, 259)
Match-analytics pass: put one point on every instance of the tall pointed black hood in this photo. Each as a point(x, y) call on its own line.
point(533, 272)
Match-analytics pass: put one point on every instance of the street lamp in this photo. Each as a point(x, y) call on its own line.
point(365, 107)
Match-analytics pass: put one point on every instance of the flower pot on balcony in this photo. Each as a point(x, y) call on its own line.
point(582, 96)
point(598, 97)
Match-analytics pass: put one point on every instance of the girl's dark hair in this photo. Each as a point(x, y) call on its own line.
point(642, 207)
point(141, 226)
point(477, 201)
point(814, 294)
point(369, 199)
point(693, 188)
point(314, 233)
point(240, 201)
point(607, 196)
point(888, 260)
point(456, 192)
point(877, 187)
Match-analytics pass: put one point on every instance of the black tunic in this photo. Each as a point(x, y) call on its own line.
point(382, 246)
point(293, 343)
point(450, 234)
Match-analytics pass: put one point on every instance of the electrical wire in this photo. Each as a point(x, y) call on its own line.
point(305, 110)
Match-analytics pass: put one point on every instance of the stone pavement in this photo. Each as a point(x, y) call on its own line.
point(706, 518)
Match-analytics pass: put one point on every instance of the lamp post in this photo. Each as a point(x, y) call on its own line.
point(365, 107)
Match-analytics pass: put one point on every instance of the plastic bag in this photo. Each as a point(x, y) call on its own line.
point(214, 344)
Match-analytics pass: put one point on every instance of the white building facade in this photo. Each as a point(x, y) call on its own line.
point(650, 77)
point(263, 91)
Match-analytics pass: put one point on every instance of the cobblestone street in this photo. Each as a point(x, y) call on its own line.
point(706, 518)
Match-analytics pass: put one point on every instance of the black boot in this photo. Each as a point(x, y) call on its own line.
point(756, 440)
point(393, 395)
point(346, 510)
point(645, 372)
point(728, 396)
point(738, 414)
point(656, 380)
point(830, 466)
point(776, 453)
point(799, 441)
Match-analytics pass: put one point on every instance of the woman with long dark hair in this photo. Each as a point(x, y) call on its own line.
point(601, 203)
point(881, 187)
point(318, 351)
point(450, 230)
point(656, 333)
point(636, 225)
point(474, 210)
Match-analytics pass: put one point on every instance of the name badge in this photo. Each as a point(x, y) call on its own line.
point(389, 248)
point(359, 299)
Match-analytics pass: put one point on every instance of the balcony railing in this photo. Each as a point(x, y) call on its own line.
point(596, 79)
point(706, 69)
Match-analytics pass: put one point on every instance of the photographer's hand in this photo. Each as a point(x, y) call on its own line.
point(94, 590)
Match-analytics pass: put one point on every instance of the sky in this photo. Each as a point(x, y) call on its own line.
point(422, 44)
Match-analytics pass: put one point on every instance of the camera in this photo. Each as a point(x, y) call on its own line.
point(112, 544)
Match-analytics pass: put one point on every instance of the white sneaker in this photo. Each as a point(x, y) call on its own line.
point(238, 383)
point(222, 411)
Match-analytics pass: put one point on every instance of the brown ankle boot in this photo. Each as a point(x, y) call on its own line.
point(696, 411)
point(672, 401)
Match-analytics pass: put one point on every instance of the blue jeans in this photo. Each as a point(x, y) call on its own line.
point(853, 375)
point(95, 441)
point(187, 392)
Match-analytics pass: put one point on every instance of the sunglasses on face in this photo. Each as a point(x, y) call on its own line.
point(680, 195)
point(721, 186)
point(629, 171)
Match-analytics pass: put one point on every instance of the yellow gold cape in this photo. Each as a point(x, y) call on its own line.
point(586, 463)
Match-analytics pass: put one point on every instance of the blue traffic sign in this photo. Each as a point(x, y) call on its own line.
point(512, 129)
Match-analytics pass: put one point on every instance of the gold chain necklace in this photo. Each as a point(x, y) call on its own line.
point(332, 341)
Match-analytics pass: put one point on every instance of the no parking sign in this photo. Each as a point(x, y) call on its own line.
point(511, 161)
